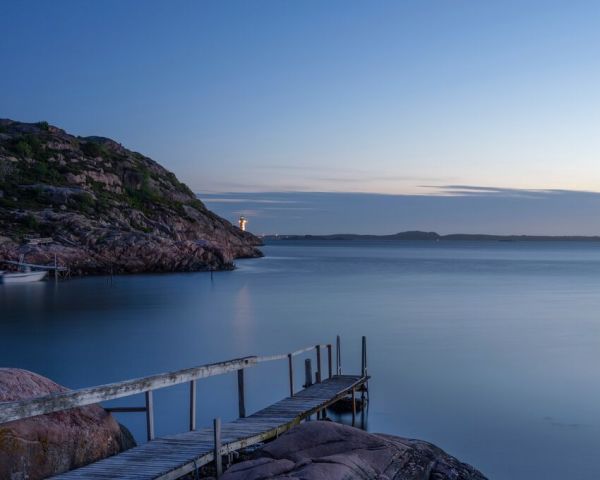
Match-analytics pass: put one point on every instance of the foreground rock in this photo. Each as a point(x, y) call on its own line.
point(329, 451)
point(107, 209)
point(45, 445)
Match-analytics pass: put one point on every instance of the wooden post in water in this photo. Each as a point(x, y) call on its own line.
point(329, 361)
point(241, 400)
point(193, 405)
point(338, 355)
point(307, 373)
point(217, 453)
point(363, 370)
point(318, 364)
point(291, 371)
point(149, 415)
point(353, 406)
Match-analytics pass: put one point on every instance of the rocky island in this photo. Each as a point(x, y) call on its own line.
point(102, 208)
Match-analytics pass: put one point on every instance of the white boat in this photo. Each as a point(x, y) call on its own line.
point(22, 277)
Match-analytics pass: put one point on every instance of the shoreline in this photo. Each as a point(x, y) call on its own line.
point(419, 236)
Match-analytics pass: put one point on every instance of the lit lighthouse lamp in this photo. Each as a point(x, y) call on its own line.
point(242, 223)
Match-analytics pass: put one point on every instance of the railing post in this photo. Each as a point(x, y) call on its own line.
point(329, 365)
point(307, 373)
point(149, 415)
point(364, 357)
point(353, 406)
point(318, 363)
point(193, 405)
point(217, 450)
point(291, 371)
point(241, 400)
point(338, 355)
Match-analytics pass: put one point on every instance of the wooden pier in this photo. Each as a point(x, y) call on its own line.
point(174, 456)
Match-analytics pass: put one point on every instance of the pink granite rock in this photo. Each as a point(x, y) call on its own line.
point(45, 445)
point(329, 451)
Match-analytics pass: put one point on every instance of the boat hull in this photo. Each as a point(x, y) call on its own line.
point(22, 277)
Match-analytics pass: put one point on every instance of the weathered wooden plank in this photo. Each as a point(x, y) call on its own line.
point(171, 457)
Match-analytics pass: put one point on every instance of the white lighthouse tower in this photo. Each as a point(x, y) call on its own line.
point(242, 223)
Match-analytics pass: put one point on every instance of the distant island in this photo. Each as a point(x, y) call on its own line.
point(96, 207)
point(416, 235)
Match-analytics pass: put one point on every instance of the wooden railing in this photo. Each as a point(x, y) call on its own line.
point(56, 402)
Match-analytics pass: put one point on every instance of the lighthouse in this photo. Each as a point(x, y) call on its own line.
point(242, 223)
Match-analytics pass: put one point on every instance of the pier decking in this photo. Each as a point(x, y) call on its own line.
point(171, 457)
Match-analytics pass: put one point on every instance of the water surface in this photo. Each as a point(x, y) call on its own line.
point(490, 350)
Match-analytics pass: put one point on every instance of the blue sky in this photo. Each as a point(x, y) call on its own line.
point(384, 97)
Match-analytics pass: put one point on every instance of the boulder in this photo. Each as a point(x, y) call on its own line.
point(42, 446)
point(329, 451)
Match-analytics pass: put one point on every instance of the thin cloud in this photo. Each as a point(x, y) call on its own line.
point(246, 200)
point(487, 191)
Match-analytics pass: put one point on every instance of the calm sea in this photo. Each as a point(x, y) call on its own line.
point(489, 350)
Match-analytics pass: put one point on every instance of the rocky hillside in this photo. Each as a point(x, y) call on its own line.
point(106, 208)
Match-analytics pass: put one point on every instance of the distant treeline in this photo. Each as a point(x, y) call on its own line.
point(433, 236)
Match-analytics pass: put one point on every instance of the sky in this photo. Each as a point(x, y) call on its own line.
point(395, 99)
point(461, 209)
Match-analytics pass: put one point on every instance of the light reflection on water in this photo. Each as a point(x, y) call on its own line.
point(488, 349)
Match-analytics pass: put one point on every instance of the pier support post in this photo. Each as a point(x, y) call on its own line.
point(149, 415)
point(217, 452)
point(291, 372)
point(193, 398)
point(318, 380)
point(307, 373)
point(338, 356)
point(363, 370)
point(241, 399)
point(353, 406)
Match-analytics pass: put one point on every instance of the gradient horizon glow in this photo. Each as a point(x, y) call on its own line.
point(337, 96)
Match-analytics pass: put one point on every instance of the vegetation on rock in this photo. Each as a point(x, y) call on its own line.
point(83, 190)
